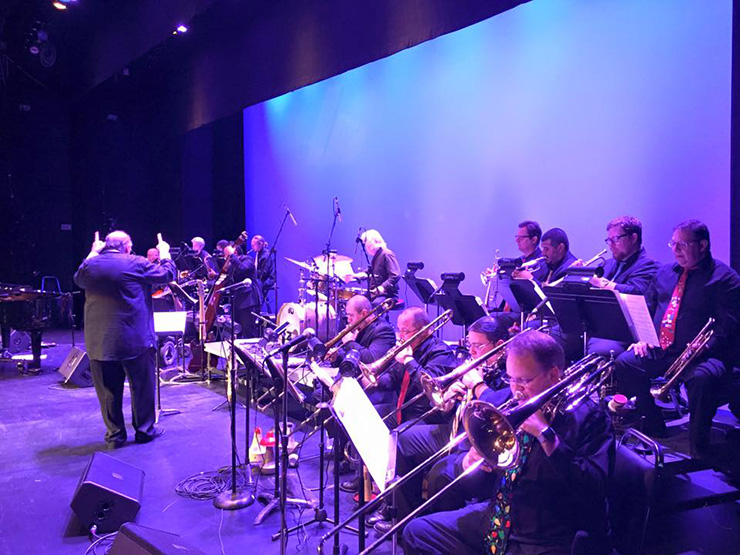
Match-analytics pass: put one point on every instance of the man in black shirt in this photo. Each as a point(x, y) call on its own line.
point(556, 250)
point(247, 299)
point(384, 271)
point(528, 242)
point(559, 489)
point(119, 331)
point(207, 265)
point(372, 340)
point(630, 271)
point(265, 266)
point(682, 297)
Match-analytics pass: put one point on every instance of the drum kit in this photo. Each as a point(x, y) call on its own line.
point(322, 296)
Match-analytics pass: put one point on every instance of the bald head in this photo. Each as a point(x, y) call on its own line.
point(118, 240)
point(358, 303)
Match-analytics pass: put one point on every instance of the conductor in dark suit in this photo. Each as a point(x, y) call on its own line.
point(119, 331)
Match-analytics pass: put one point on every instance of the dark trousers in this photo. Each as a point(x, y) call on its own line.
point(463, 532)
point(605, 347)
point(247, 321)
point(704, 383)
point(416, 445)
point(108, 378)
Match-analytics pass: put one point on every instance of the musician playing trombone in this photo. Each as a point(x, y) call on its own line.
point(401, 381)
point(557, 489)
point(422, 440)
point(682, 297)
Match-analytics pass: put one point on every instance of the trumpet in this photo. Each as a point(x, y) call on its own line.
point(599, 272)
point(371, 372)
point(334, 344)
point(689, 354)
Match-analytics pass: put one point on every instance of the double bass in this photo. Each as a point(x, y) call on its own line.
point(209, 309)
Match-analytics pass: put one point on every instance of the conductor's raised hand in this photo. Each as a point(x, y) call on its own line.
point(163, 247)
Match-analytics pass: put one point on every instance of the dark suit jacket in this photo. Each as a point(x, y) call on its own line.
point(540, 271)
point(265, 269)
point(385, 271)
point(632, 276)
point(373, 341)
point(558, 271)
point(118, 303)
point(433, 357)
point(241, 266)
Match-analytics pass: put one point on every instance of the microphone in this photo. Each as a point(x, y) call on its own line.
point(246, 282)
point(272, 335)
point(337, 210)
point(292, 218)
point(307, 333)
point(358, 239)
point(317, 348)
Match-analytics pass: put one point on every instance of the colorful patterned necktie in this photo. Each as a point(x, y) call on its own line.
point(405, 382)
point(668, 323)
point(500, 526)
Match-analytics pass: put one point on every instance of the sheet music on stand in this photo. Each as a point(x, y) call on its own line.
point(369, 434)
point(640, 320)
point(170, 322)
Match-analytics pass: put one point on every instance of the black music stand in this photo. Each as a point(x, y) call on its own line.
point(592, 312)
point(465, 308)
point(423, 288)
point(523, 296)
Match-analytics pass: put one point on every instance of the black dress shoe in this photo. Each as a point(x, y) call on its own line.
point(350, 486)
point(378, 516)
point(383, 526)
point(111, 445)
point(143, 438)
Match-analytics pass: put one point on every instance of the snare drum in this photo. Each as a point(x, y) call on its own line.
point(302, 316)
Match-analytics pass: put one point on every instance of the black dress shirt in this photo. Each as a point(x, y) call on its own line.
point(632, 275)
point(712, 290)
point(385, 272)
point(265, 268)
point(557, 495)
point(433, 357)
point(557, 271)
point(119, 324)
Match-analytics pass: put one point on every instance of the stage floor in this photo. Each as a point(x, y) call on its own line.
point(49, 433)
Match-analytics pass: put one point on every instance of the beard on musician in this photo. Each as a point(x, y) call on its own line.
point(558, 489)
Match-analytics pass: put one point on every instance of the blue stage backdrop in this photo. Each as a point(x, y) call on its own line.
point(562, 111)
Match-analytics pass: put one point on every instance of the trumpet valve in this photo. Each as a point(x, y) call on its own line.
point(661, 393)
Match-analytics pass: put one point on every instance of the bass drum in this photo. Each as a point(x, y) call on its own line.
point(302, 316)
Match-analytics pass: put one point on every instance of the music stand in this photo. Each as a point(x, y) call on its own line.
point(169, 323)
point(465, 308)
point(592, 312)
point(423, 288)
point(523, 296)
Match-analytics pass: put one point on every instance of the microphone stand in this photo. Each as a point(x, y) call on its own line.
point(330, 284)
point(273, 254)
point(369, 269)
point(234, 499)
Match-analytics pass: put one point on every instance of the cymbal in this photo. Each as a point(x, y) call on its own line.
point(335, 257)
point(300, 264)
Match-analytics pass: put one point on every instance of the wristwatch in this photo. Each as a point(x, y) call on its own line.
point(547, 435)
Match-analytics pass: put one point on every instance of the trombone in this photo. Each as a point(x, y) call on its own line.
point(372, 371)
point(493, 433)
point(334, 344)
point(689, 354)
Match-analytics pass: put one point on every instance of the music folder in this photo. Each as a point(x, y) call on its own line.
point(523, 295)
point(358, 417)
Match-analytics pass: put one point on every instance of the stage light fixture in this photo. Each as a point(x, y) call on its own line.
point(59, 5)
point(181, 30)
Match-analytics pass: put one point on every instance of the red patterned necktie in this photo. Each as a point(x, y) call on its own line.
point(668, 324)
point(402, 395)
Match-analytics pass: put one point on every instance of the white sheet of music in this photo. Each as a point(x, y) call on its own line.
point(170, 322)
point(367, 430)
point(641, 320)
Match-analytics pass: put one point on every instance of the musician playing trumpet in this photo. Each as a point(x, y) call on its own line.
point(682, 297)
point(557, 489)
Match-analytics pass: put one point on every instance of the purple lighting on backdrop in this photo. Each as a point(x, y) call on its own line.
point(563, 112)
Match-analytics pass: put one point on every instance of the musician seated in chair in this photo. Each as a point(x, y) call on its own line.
point(423, 440)
point(682, 297)
point(371, 340)
point(528, 242)
point(384, 271)
point(208, 266)
point(630, 271)
point(401, 381)
point(557, 489)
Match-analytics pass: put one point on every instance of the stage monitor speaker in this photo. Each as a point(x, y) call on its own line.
point(109, 493)
point(20, 341)
point(76, 368)
point(133, 539)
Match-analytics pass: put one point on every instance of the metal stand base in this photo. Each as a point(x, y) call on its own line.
point(273, 504)
point(232, 501)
